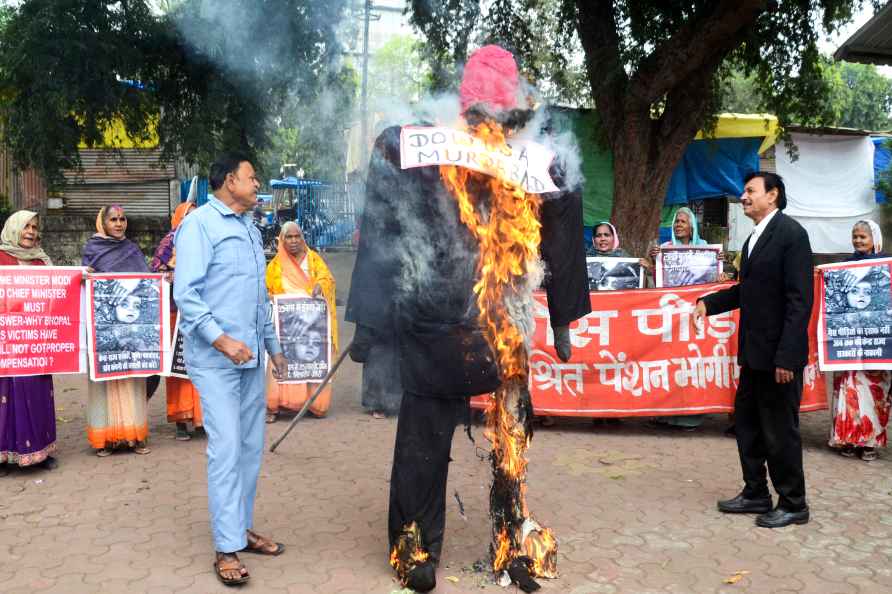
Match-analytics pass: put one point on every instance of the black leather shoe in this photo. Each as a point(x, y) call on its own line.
point(562, 344)
point(422, 578)
point(745, 505)
point(778, 518)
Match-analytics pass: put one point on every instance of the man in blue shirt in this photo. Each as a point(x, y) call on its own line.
point(225, 317)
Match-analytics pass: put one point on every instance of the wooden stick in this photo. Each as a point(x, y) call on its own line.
point(312, 398)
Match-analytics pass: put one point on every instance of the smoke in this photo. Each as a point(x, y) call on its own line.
point(277, 74)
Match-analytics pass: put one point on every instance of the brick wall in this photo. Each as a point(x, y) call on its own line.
point(63, 236)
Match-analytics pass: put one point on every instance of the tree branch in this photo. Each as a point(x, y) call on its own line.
point(596, 26)
point(693, 46)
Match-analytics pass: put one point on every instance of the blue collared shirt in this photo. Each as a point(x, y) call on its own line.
point(220, 285)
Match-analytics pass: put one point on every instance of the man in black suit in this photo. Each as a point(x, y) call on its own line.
point(775, 299)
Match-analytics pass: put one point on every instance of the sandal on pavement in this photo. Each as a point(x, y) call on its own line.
point(141, 448)
point(847, 451)
point(225, 564)
point(869, 454)
point(103, 452)
point(271, 417)
point(377, 414)
point(260, 545)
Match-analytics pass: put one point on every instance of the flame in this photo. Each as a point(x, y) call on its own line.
point(502, 557)
point(541, 547)
point(505, 222)
point(408, 552)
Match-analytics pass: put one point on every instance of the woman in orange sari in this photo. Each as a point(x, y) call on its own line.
point(183, 405)
point(298, 270)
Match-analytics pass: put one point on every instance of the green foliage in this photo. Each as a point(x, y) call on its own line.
point(312, 133)
point(397, 70)
point(866, 97)
point(857, 96)
point(773, 63)
point(446, 24)
point(61, 67)
point(656, 71)
point(537, 31)
point(213, 74)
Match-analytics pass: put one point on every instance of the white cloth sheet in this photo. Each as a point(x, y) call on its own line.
point(830, 187)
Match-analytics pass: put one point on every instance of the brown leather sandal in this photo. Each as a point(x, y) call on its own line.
point(227, 562)
point(260, 545)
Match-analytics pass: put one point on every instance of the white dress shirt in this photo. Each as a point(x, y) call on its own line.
point(758, 230)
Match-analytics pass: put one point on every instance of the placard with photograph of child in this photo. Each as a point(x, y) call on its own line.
point(855, 325)
point(302, 326)
point(128, 335)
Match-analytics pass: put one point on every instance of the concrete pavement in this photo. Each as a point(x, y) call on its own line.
point(633, 508)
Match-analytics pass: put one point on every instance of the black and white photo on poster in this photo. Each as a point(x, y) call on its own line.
point(683, 265)
point(612, 274)
point(302, 326)
point(128, 325)
point(856, 316)
point(178, 357)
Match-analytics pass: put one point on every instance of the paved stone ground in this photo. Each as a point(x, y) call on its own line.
point(633, 508)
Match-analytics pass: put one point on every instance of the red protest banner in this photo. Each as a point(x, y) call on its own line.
point(637, 354)
point(40, 320)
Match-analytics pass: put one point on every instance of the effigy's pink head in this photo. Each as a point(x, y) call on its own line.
point(491, 79)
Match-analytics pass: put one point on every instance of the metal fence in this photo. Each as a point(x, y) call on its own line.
point(326, 214)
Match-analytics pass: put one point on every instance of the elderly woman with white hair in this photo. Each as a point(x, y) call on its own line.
point(861, 399)
point(298, 270)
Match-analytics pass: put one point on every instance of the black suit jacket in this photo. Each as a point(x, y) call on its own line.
point(775, 298)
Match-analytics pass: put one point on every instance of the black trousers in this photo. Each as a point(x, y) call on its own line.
point(420, 467)
point(766, 418)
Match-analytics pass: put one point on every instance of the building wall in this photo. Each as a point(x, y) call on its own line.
point(63, 236)
point(133, 178)
point(23, 190)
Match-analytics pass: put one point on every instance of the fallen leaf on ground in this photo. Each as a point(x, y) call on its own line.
point(452, 578)
point(738, 575)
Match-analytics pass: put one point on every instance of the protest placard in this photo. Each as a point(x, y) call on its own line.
point(302, 326)
point(613, 274)
point(637, 354)
point(128, 325)
point(522, 163)
point(683, 265)
point(855, 325)
point(41, 327)
point(178, 356)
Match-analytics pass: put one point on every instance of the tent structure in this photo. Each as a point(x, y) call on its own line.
point(872, 43)
point(713, 165)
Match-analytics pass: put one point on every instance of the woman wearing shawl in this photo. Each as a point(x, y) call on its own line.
point(684, 232)
point(27, 410)
point(183, 405)
point(861, 399)
point(116, 409)
point(605, 242)
point(296, 269)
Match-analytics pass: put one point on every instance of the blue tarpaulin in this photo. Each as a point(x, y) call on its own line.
point(713, 168)
point(882, 161)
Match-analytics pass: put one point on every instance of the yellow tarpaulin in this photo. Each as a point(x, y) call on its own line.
point(115, 137)
point(746, 125)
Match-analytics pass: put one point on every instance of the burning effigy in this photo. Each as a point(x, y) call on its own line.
point(461, 224)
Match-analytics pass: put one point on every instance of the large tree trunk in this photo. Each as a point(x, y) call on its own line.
point(676, 81)
point(640, 184)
